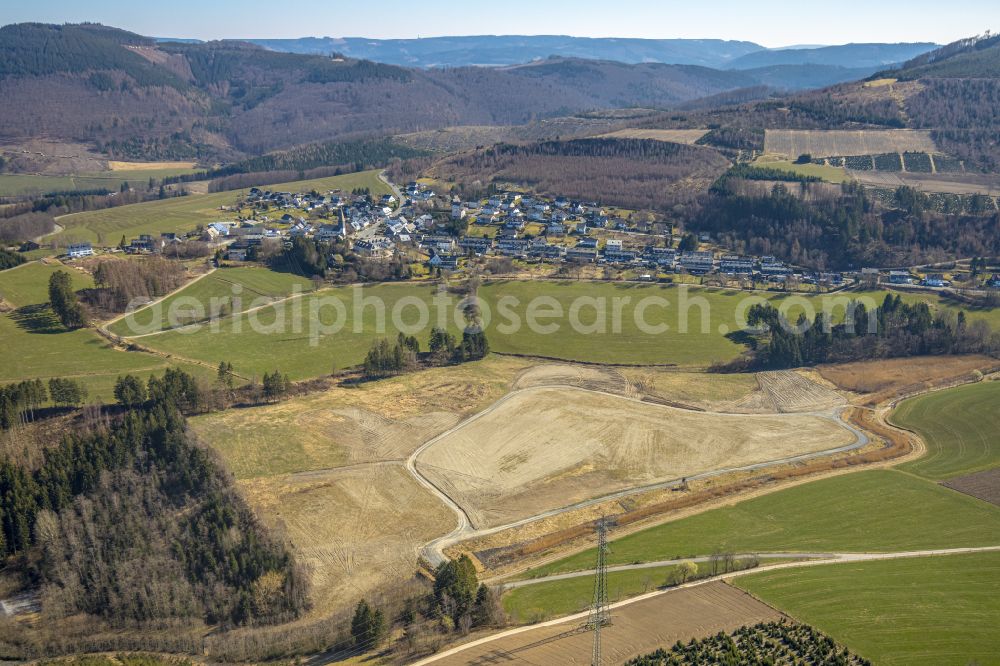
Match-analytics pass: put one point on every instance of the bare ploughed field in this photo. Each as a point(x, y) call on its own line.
point(638, 628)
point(843, 143)
point(357, 529)
point(688, 136)
point(981, 485)
point(546, 448)
point(790, 391)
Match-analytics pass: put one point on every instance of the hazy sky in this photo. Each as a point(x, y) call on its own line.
point(767, 22)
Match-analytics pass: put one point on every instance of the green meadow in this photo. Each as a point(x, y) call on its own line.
point(35, 345)
point(926, 611)
point(183, 214)
point(870, 511)
point(249, 284)
point(961, 427)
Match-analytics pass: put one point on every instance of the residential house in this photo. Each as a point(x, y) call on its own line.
point(77, 250)
point(583, 254)
point(698, 262)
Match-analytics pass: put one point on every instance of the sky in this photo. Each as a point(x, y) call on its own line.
point(771, 23)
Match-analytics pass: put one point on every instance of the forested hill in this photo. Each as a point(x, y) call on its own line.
point(976, 57)
point(134, 98)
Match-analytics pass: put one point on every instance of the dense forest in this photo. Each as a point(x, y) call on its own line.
point(639, 174)
point(130, 520)
point(846, 230)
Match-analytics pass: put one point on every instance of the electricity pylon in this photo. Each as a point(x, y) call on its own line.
point(600, 611)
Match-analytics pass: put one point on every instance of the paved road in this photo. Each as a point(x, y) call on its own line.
point(433, 552)
point(837, 558)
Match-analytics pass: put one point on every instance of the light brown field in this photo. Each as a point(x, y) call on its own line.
point(384, 420)
point(942, 183)
point(887, 378)
point(357, 529)
point(148, 166)
point(571, 445)
point(688, 136)
point(637, 628)
point(836, 143)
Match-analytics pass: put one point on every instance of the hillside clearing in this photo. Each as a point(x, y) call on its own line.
point(842, 143)
point(571, 445)
point(688, 136)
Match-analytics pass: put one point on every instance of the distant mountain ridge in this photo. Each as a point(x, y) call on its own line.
point(500, 50)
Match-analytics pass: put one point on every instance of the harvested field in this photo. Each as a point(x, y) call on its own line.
point(889, 378)
point(689, 136)
point(357, 529)
point(946, 184)
point(594, 378)
point(709, 391)
point(981, 485)
point(836, 143)
point(790, 391)
point(345, 426)
point(637, 628)
point(571, 445)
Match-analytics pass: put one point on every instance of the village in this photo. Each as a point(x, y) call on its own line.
point(444, 233)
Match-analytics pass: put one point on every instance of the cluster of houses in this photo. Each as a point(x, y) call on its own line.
point(561, 231)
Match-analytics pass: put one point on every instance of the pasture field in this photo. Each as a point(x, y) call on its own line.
point(838, 143)
point(960, 427)
point(868, 511)
point(182, 214)
point(829, 174)
point(36, 345)
point(571, 445)
point(28, 283)
point(688, 136)
point(383, 420)
point(562, 597)
point(523, 318)
point(286, 337)
point(252, 285)
point(911, 612)
point(637, 628)
point(356, 529)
